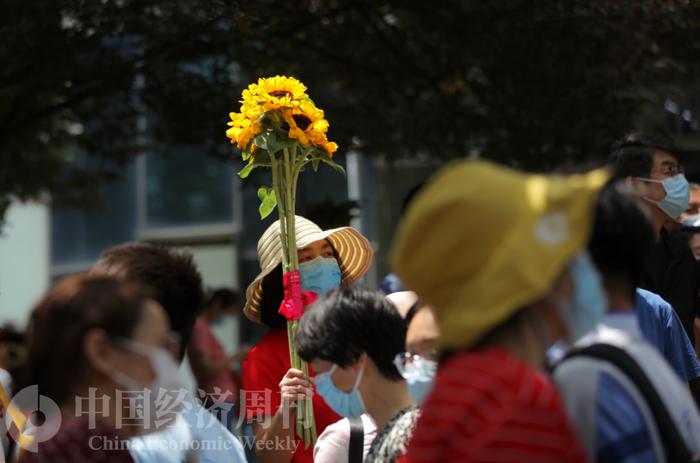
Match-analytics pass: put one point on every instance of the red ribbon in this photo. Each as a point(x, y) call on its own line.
point(295, 298)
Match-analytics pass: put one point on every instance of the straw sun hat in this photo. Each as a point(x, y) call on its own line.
point(353, 250)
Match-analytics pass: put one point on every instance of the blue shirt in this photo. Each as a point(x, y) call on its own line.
point(391, 284)
point(616, 430)
point(622, 435)
point(661, 327)
point(196, 432)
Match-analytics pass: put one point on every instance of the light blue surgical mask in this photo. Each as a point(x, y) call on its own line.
point(589, 303)
point(320, 275)
point(347, 404)
point(419, 374)
point(677, 195)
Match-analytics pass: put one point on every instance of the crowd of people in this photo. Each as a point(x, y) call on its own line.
point(528, 317)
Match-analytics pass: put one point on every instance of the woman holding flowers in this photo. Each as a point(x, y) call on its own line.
point(279, 127)
point(327, 260)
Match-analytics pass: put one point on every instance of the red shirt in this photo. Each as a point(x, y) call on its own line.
point(204, 342)
point(263, 369)
point(488, 406)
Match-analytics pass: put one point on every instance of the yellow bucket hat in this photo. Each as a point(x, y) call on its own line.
point(482, 240)
point(353, 250)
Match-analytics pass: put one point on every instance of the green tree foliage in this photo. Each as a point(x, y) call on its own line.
point(531, 83)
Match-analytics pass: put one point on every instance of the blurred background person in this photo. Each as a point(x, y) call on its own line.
point(213, 369)
point(391, 283)
point(90, 337)
point(351, 338)
point(691, 231)
point(418, 364)
point(500, 256)
point(327, 260)
point(173, 279)
point(13, 353)
point(614, 394)
point(693, 204)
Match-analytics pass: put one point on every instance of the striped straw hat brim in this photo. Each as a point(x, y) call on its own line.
point(353, 250)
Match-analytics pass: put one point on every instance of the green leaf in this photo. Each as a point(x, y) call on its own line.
point(279, 145)
point(245, 172)
point(270, 142)
point(334, 165)
point(268, 201)
point(246, 155)
point(315, 163)
point(263, 139)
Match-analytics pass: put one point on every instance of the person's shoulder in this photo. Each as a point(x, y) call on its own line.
point(212, 431)
point(340, 428)
point(649, 297)
point(332, 445)
point(653, 300)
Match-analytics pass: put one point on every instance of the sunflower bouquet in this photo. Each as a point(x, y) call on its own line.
point(279, 127)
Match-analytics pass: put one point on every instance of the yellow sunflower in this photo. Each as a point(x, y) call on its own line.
point(242, 130)
point(278, 92)
point(302, 121)
point(330, 147)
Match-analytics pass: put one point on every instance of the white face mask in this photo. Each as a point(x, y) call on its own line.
point(160, 401)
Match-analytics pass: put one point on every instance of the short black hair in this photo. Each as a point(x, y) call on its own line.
point(622, 236)
point(346, 323)
point(224, 297)
point(272, 295)
point(632, 156)
point(170, 274)
point(410, 196)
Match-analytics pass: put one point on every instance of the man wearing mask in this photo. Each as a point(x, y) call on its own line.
point(503, 293)
point(653, 167)
point(614, 406)
point(173, 280)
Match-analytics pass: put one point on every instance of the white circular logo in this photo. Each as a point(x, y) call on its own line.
point(552, 228)
point(42, 424)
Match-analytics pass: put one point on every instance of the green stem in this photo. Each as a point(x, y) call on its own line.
point(277, 182)
point(289, 212)
point(285, 174)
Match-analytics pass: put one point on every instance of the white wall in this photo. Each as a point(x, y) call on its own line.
point(24, 260)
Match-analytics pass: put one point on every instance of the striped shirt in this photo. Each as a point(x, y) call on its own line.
point(488, 406)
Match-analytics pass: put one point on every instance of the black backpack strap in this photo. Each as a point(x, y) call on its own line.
point(357, 440)
point(674, 445)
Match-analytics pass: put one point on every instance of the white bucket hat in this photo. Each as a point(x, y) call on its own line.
point(353, 250)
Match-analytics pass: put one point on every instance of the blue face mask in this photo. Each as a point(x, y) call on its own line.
point(320, 275)
point(347, 404)
point(677, 195)
point(420, 375)
point(587, 307)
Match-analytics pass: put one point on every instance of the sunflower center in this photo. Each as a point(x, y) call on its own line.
point(302, 121)
point(280, 93)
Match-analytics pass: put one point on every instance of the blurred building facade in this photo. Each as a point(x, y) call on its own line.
point(189, 200)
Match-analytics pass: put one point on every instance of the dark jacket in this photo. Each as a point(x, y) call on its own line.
point(672, 272)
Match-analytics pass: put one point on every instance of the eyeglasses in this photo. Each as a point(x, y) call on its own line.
point(670, 169)
point(403, 359)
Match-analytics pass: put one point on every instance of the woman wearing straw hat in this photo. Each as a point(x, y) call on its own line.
point(327, 260)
